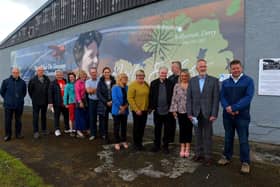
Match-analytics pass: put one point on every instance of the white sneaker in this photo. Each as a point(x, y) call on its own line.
point(67, 131)
point(57, 132)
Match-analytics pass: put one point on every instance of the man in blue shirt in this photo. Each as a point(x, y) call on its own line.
point(203, 104)
point(91, 85)
point(236, 95)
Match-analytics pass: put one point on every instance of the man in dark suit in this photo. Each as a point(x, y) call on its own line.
point(176, 68)
point(159, 102)
point(38, 91)
point(203, 104)
point(13, 91)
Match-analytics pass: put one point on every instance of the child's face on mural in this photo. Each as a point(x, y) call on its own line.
point(90, 57)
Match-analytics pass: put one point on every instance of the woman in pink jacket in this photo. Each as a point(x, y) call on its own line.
point(81, 108)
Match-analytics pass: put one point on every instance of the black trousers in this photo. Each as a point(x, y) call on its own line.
point(162, 121)
point(185, 125)
point(139, 124)
point(36, 112)
point(120, 123)
point(172, 129)
point(57, 111)
point(8, 120)
point(103, 124)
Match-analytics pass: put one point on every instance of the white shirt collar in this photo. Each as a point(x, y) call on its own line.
point(236, 79)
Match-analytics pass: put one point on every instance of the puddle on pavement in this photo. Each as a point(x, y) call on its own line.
point(272, 158)
point(128, 165)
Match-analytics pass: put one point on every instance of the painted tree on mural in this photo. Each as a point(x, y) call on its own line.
point(182, 39)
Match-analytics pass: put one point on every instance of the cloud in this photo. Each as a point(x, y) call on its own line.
point(31, 4)
point(14, 12)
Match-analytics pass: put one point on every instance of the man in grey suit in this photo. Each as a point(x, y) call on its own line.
point(203, 104)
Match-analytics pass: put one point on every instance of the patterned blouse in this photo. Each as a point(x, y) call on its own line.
point(179, 100)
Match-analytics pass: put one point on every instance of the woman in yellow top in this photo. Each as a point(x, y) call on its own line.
point(138, 99)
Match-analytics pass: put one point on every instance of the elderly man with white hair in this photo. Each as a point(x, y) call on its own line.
point(13, 91)
point(55, 100)
point(38, 91)
point(159, 102)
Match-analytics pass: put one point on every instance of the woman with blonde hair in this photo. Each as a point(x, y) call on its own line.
point(138, 99)
point(178, 108)
point(120, 110)
point(81, 100)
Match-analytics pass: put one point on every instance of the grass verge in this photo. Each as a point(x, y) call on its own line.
point(14, 173)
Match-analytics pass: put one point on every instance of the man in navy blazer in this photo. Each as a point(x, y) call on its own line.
point(203, 104)
point(236, 95)
point(13, 91)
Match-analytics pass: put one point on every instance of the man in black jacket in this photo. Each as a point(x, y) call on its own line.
point(38, 91)
point(13, 91)
point(159, 102)
point(176, 68)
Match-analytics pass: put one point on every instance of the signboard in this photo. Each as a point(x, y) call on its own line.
point(269, 76)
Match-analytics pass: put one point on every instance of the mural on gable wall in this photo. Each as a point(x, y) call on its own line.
point(213, 31)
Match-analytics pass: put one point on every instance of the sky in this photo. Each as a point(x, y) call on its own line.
point(14, 12)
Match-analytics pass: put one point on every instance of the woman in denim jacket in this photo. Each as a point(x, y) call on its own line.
point(120, 110)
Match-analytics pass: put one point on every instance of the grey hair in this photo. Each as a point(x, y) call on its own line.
point(58, 71)
point(40, 67)
point(162, 67)
point(16, 68)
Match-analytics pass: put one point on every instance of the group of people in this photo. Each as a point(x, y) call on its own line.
point(193, 102)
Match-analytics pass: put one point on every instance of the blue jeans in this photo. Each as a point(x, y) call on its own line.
point(242, 128)
point(92, 107)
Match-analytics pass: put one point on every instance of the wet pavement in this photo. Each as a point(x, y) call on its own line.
point(68, 161)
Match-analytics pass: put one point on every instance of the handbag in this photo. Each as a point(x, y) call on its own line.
point(85, 101)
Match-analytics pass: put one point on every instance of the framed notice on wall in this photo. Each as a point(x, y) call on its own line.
point(269, 76)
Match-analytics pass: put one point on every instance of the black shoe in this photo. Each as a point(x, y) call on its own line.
point(142, 148)
point(208, 162)
point(19, 136)
point(45, 133)
point(197, 158)
point(165, 150)
point(155, 149)
point(7, 138)
point(136, 148)
point(106, 139)
point(103, 137)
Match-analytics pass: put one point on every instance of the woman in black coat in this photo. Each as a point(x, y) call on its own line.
point(104, 88)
